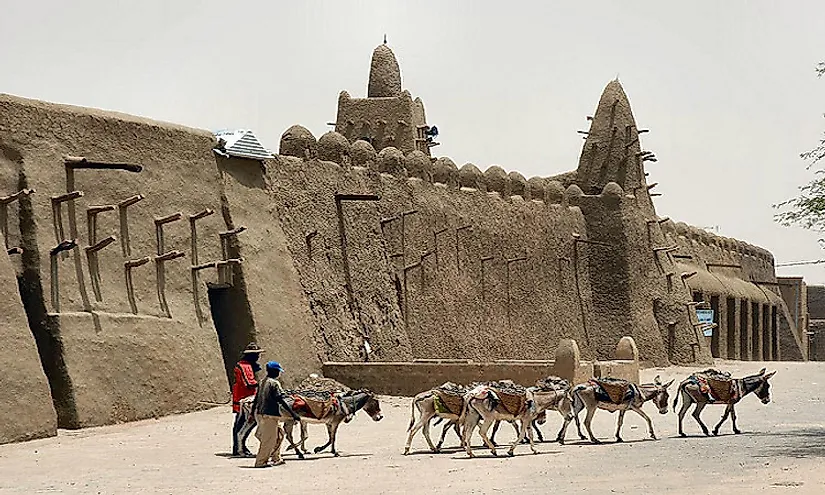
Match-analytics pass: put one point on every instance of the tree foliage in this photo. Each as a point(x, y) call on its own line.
point(808, 209)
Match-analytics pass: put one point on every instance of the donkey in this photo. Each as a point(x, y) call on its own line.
point(348, 403)
point(425, 403)
point(591, 396)
point(691, 391)
point(563, 404)
point(483, 404)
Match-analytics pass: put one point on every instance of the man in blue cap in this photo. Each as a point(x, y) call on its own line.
point(267, 407)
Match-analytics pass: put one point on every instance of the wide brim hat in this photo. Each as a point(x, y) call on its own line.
point(252, 348)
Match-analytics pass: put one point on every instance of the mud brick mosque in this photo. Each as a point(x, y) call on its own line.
point(135, 245)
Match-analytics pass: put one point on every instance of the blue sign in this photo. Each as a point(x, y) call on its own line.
point(705, 317)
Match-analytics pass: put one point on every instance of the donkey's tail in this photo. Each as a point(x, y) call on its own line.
point(412, 415)
point(679, 390)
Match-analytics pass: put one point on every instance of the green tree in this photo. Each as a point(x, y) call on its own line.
point(808, 208)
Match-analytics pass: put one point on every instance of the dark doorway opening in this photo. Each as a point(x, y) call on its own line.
point(756, 351)
point(767, 354)
point(730, 313)
point(233, 324)
point(744, 355)
point(714, 339)
point(698, 297)
point(774, 339)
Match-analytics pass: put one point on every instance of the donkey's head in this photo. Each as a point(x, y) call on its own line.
point(372, 407)
point(764, 388)
point(661, 395)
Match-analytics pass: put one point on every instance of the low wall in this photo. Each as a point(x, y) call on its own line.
point(410, 378)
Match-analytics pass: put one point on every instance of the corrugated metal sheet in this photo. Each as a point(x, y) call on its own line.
point(241, 143)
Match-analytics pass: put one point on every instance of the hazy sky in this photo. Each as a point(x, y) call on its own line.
point(728, 89)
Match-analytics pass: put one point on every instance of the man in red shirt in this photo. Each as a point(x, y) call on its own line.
point(245, 385)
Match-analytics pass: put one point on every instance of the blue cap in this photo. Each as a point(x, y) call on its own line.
point(274, 365)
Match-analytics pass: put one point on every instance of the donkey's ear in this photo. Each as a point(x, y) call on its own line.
point(669, 383)
point(762, 371)
point(766, 377)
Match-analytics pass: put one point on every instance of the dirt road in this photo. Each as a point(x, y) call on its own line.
point(782, 450)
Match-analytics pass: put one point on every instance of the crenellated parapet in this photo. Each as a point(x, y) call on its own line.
point(717, 245)
point(299, 142)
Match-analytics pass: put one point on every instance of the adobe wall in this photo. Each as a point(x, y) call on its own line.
point(633, 294)
point(26, 410)
point(728, 273)
point(95, 358)
point(452, 311)
point(267, 303)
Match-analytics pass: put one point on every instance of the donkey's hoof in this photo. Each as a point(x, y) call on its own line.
point(336, 454)
point(682, 435)
point(317, 449)
point(716, 433)
point(653, 437)
point(511, 453)
point(619, 440)
point(495, 454)
point(582, 437)
point(737, 431)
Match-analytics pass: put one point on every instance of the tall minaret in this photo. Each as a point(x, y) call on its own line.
point(612, 152)
point(385, 75)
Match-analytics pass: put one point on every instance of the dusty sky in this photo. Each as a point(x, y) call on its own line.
point(728, 89)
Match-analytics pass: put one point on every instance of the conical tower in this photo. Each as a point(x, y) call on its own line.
point(612, 152)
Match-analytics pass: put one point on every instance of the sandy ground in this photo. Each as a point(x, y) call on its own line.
point(782, 450)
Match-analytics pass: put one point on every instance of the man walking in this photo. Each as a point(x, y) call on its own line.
point(245, 384)
point(267, 407)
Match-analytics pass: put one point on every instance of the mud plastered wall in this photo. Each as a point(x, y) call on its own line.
point(104, 363)
point(734, 276)
point(26, 409)
point(429, 262)
point(267, 302)
point(629, 280)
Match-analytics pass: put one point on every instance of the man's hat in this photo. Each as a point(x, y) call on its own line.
point(274, 365)
point(252, 348)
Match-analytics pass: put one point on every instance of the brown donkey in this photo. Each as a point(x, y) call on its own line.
point(714, 387)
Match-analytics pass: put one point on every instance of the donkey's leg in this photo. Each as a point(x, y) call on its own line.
point(288, 426)
point(696, 415)
point(471, 420)
point(578, 405)
point(304, 437)
point(724, 417)
point(641, 413)
point(493, 434)
point(591, 410)
point(525, 425)
point(444, 431)
point(687, 401)
point(733, 419)
point(333, 432)
point(518, 430)
point(427, 435)
point(320, 448)
point(482, 430)
point(562, 432)
point(619, 424)
point(538, 431)
point(417, 426)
